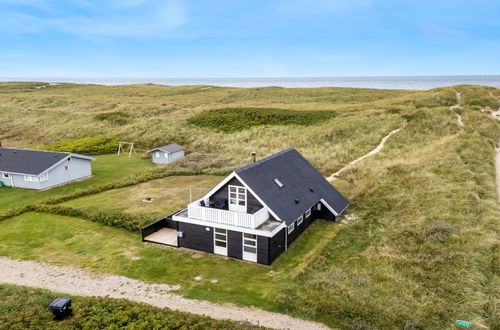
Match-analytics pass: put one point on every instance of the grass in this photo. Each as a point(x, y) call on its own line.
point(238, 119)
point(106, 169)
point(26, 308)
point(422, 252)
point(170, 194)
point(72, 241)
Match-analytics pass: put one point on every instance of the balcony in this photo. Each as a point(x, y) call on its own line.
point(226, 217)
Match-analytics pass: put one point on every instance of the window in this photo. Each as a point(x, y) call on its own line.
point(157, 154)
point(166, 155)
point(308, 213)
point(278, 182)
point(237, 195)
point(66, 167)
point(291, 227)
point(220, 237)
point(318, 206)
point(250, 243)
point(44, 177)
point(5, 175)
point(300, 220)
point(31, 178)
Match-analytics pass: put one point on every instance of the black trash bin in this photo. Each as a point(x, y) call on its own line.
point(61, 308)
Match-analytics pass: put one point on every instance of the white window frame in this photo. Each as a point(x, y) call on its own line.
point(221, 239)
point(318, 206)
point(308, 213)
point(157, 154)
point(44, 177)
point(249, 243)
point(238, 191)
point(166, 155)
point(31, 178)
point(300, 220)
point(291, 227)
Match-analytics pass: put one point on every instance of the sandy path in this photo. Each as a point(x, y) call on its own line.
point(79, 282)
point(456, 106)
point(371, 153)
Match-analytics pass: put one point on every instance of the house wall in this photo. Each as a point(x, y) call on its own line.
point(196, 237)
point(171, 157)
point(277, 245)
point(223, 192)
point(299, 229)
point(78, 168)
point(263, 250)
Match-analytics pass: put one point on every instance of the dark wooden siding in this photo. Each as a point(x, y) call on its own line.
point(324, 213)
point(299, 229)
point(276, 245)
point(222, 194)
point(235, 244)
point(196, 237)
point(263, 250)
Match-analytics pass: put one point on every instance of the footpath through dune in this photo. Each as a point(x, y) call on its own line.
point(371, 153)
point(74, 281)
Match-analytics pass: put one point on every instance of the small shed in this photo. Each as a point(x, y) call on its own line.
point(166, 154)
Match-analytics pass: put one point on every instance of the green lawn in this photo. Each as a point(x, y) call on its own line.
point(170, 194)
point(72, 241)
point(105, 169)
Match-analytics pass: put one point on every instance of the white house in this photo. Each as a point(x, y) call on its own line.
point(37, 169)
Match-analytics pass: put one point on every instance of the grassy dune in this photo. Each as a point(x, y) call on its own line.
point(422, 250)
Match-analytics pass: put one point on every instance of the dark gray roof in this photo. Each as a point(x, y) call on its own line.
point(168, 148)
point(33, 162)
point(298, 177)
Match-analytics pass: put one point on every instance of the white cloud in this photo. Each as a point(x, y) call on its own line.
point(128, 18)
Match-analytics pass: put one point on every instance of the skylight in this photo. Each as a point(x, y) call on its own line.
point(278, 182)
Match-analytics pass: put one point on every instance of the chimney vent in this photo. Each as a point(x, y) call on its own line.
point(254, 156)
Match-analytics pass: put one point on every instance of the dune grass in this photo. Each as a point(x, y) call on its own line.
point(421, 252)
point(26, 308)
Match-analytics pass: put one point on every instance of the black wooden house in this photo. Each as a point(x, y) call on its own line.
point(256, 212)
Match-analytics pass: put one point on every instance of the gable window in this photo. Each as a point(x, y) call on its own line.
point(308, 213)
point(5, 175)
point(157, 154)
point(291, 227)
point(238, 196)
point(318, 206)
point(300, 220)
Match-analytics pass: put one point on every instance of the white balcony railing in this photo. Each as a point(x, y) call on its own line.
point(228, 217)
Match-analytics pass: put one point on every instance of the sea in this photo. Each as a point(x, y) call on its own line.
point(382, 82)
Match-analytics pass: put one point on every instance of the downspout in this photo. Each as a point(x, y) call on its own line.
point(11, 180)
point(286, 238)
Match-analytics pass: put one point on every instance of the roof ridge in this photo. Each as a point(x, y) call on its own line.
point(28, 149)
point(265, 159)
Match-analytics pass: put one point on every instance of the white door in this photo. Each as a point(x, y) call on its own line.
point(237, 199)
point(250, 247)
point(220, 241)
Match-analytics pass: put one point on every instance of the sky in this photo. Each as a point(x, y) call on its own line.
point(248, 38)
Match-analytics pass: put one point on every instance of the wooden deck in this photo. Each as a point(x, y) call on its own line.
point(164, 236)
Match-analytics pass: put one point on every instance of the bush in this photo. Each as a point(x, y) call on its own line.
point(237, 119)
point(90, 145)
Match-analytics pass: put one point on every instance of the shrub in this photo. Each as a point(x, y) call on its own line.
point(90, 145)
point(237, 119)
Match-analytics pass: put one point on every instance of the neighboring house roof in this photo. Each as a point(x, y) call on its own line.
point(32, 162)
point(297, 178)
point(168, 148)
